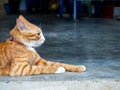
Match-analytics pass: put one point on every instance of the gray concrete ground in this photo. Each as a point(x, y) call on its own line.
point(92, 42)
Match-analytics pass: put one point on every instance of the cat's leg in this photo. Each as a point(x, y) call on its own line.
point(24, 69)
point(4, 71)
point(41, 62)
point(68, 67)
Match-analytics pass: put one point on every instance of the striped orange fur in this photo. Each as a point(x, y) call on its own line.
point(19, 58)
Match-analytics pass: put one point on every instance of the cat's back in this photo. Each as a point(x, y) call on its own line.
point(8, 50)
point(3, 46)
point(8, 47)
point(4, 54)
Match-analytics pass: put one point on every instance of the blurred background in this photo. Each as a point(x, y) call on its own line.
point(63, 8)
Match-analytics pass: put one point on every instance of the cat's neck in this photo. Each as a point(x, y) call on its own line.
point(31, 49)
point(13, 40)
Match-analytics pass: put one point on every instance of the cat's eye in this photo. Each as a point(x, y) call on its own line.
point(38, 33)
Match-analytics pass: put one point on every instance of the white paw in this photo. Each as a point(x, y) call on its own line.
point(60, 70)
point(84, 68)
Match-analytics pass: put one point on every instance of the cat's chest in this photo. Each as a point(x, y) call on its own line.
point(34, 56)
point(31, 49)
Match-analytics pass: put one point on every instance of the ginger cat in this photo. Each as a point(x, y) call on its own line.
point(19, 58)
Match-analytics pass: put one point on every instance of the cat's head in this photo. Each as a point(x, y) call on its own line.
point(27, 33)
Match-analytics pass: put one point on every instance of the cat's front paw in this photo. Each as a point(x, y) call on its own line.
point(81, 68)
point(60, 70)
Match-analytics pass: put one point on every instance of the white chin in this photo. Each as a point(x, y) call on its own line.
point(34, 43)
point(37, 44)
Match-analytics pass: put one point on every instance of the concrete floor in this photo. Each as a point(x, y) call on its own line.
point(92, 42)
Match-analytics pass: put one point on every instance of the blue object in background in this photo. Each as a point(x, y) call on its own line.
point(71, 8)
point(28, 3)
point(79, 8)
point(7, 8)
point(60, 8)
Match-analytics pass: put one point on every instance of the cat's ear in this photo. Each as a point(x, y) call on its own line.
point(20, 25)
point(21, 17)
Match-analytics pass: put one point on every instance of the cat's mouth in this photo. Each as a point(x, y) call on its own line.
point(34, 44)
